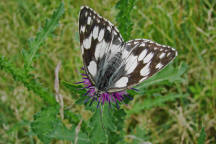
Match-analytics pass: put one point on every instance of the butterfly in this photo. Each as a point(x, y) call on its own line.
point(113, 65)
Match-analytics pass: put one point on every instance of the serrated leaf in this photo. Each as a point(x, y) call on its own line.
point(48, 126)
point(107, 126)
point(45, 123)
point(75, 119)
point(62, 133)
point(157, 101)
point(75, 88)
point(28, 80)
point(108, 118)
point(202, 137)
point(140, 136)
point(97, 134)
point(117, 135)
point(169, 74)
point(123, 18)
point(35, 43)
point(119, 118)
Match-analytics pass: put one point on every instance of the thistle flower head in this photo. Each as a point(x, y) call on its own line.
point(102, 98)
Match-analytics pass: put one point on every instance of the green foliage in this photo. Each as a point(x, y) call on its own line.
point(157, 101)
point(202, 137)
point(123, 18)
point(185, 89)
point(75, 119)
point(107, 125)
point(139, 136)
point(97, 134)
point(35, 43)
point(108, 118)
point(103, 124)
point(28, 80)
point(168, 75)
point(23, 75)
point(48, 126)
point(117, 135)
point(75, 89)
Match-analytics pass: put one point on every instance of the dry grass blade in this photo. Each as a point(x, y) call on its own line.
point(59, 97)
point(77, 132)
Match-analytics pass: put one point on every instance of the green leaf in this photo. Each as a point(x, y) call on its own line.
point(202, 137)
point(35, 43)
point(74, 88)
point(22, 75)
point(75, 119)
point(119, 115)
point(48, 126)
point(140, 136)
point(157, 101)
point(123, 18)
point(117, 135)
point(107, 126)
point(108, 118)
point(28, 81)
point(97, 134)
point(169, 74)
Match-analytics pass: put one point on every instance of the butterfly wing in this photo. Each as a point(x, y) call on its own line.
point(113, 65)
point(99, 41)
point(141, 59)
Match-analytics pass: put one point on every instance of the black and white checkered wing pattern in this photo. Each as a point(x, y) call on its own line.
point(141, 59)
point(112, 64)
point(98, 39)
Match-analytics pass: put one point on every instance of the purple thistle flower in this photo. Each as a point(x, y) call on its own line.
point(103, 98)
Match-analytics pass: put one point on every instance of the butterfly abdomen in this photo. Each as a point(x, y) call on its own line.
point(106, 74)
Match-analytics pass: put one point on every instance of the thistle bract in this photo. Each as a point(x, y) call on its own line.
point(105, 97)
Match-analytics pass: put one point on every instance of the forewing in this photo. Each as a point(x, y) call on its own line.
point(99, 41)
point(142, 59)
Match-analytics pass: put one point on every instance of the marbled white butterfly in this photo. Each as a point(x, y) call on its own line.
point(113, 65)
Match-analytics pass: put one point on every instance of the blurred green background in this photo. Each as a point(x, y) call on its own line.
point(188, 26)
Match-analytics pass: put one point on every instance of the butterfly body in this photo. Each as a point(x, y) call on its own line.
point(113, 65)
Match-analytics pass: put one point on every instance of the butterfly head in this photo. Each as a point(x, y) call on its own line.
point(98, 92)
